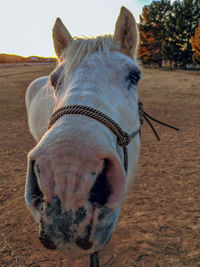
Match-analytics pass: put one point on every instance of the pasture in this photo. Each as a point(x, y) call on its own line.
point(160, 220)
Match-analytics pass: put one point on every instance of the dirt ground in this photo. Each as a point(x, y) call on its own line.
point(160, 219)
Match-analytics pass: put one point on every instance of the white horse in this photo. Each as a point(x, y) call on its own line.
point(76, 180)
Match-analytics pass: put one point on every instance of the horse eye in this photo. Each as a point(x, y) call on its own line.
point(133, 78)
point(54, 80)
point(55, 77)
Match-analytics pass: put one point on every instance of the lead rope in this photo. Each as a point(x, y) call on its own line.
point(123, 138)
point(94, 259)
point(143, 115)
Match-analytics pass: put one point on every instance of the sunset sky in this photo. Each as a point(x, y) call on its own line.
point(26, 25)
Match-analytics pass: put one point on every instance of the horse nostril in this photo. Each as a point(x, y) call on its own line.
point(101, 189)
point(84, 243)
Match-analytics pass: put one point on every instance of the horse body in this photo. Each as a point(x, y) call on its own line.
point(77, 166)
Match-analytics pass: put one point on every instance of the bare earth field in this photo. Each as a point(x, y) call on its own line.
point(160, 220)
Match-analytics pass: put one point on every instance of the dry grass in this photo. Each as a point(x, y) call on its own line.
point(160, 219)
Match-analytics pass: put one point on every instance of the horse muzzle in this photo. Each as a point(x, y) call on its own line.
point(79, 231)
point(85, 223)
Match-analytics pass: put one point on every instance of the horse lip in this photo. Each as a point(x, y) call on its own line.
point(46, 241)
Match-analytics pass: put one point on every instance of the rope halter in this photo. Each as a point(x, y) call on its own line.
point(123, 138)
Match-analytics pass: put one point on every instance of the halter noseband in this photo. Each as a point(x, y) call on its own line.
point(123, 138)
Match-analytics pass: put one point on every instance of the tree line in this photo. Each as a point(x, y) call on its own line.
point(169, 32)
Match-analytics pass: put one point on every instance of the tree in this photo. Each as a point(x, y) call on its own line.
point(152, 31)
point(195, 40)
point(171, 44)
point(191, 12)
point(184, 16)
point(146, 49)
point(166, 30)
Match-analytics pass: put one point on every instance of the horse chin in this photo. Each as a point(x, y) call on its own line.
point(74, 231)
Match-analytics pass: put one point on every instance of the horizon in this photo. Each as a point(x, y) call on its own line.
point(10, 54)
point(28, 26)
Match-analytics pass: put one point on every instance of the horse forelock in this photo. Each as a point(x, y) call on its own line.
point(82, 47)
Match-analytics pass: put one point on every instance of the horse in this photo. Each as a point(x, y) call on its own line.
point(82, 116)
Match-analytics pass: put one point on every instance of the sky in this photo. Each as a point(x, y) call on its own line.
point(26, 25)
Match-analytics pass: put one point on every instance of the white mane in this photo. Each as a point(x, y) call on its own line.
point(81, 47)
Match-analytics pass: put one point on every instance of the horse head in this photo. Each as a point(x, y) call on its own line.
point(76, 180)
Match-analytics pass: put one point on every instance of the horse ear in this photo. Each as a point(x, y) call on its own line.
point(61, 37)
point(126, 33)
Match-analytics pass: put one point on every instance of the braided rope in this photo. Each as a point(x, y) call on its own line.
point(94, 260)
point(123, 139)
point(145, 116)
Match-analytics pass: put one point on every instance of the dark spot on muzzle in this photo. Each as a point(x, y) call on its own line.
point(80, 215)
point(84, 243)
point(46, 241)
point(60, 228)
